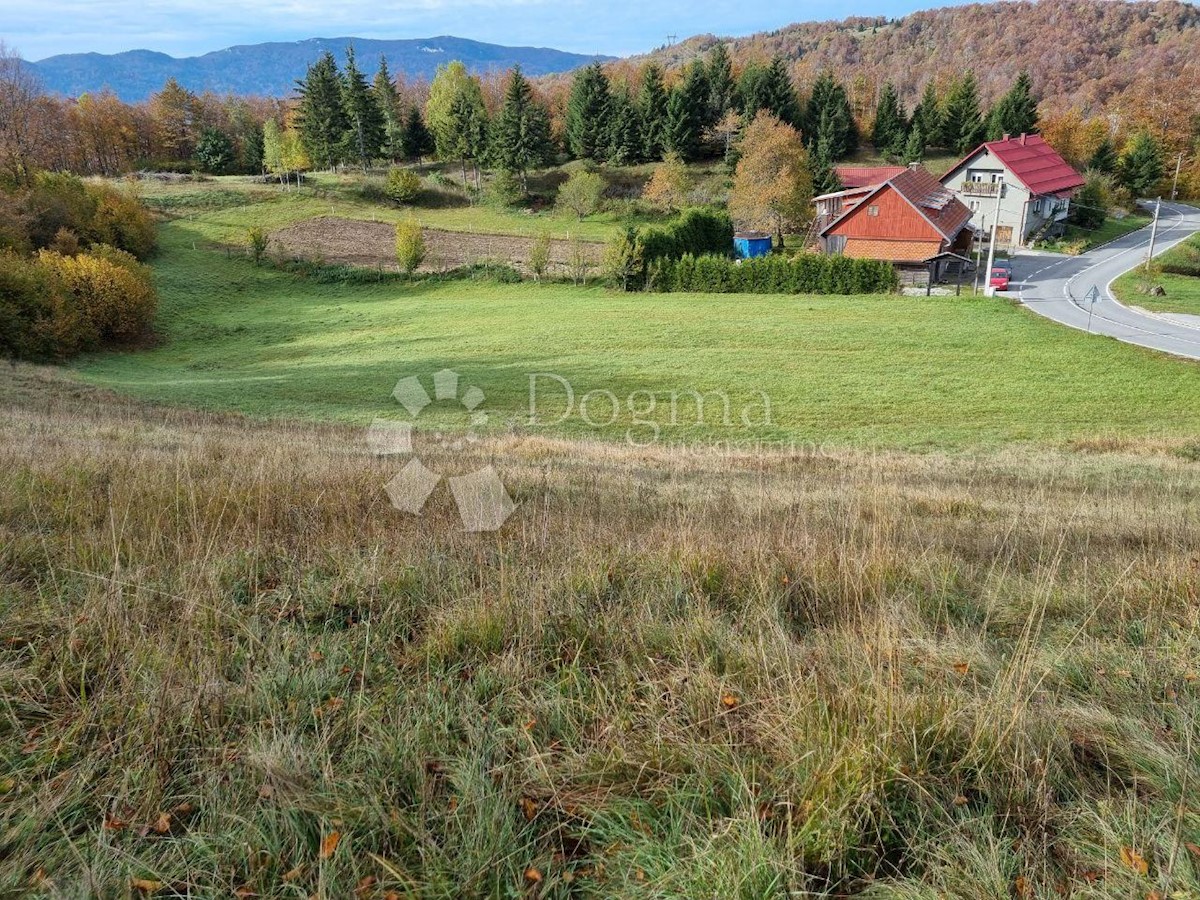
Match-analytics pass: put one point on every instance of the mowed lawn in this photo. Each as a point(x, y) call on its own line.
point(888, 371)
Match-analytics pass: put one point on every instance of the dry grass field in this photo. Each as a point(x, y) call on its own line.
point(229, 667)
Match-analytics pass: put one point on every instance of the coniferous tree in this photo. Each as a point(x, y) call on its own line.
point(824, 178)
point(456, 116)
point(652, 106)
point(928, 116)
point(520, 138)
point(388, 100)
point(914, 146)
point(770, 88)
point(828, 117)
point(625, 141)
point(686, 112)
point(321, 117)
point(588, 114)
point(1105, 160)
point(722, 89)
point(1016, 112)
point(415, 139)
point(365, 123)
point(890, 131)
point(1142, 165)
point(962, 126)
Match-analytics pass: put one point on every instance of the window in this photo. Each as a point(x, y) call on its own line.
point(872, 210)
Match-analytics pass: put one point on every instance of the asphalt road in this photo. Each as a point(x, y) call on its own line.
point(1057, 287)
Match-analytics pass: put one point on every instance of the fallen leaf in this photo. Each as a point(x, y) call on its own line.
point(530, 725)
point(266, 792)
point(294, 874)
point(452, 805)
point(1193, 849)
point(364, 885)
point(1134, 860)
point(529, 808)
point(640, 874)
point(730, 701)
point(112, 823)
point(244, 891)
point(329, 844)
point(162, 825)
point(147, 885)
point(1155, 895)
point(962, 668)
point(316, 656)
point(532, 875)
point(960, 800)
point(1022, 887)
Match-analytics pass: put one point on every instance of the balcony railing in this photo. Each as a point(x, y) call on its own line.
point(981, 188)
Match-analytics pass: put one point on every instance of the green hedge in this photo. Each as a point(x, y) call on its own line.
point(699, 232)
point(806, 273)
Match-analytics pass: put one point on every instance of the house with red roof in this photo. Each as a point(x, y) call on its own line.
point(1020, 185)
point(909, 220)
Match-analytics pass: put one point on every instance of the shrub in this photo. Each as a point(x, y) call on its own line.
point(505, 189)
point(122, 221)
point(1183, 259)
point(581, 193)
point(804, 274)
point(256, 243)
point(579, 261)
point(624, 264)
point(539, 255)
point(403, 185)
point(668, 187)
point(36, 320)
point(410, 246)
point(114, 296)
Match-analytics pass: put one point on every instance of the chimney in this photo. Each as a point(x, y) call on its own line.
point(1023, 136)
point(1007, 136)
point(914, 165)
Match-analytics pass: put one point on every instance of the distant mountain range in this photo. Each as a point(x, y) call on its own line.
point(272, 69)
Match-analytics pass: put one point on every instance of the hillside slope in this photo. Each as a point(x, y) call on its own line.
point(1080, 52)
point(271, 69)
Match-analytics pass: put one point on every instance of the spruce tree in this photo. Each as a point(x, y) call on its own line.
point(321, 118)
point(1105, 160)
point(388, 100)
point(687, 110)
point(928, 115)
point(520, 138)
point(828, 117)
point(625, 141)
point(825, 179)
point(770, 88)
point(962, 127)
point(588, 114)
point(364, 119)
point(1016, 112)
point(722, 89)
point(914, 146)
point(415, 139)
point(890, 130)
point(652, 107)
point(1142, 167)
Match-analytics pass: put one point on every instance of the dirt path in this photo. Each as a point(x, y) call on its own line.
point(372, 245)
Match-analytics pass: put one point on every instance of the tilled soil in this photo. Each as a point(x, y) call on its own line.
point(372, 245)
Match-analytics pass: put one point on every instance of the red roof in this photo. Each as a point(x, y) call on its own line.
point(928, 196)
point(866, 176)
point(1036, 165)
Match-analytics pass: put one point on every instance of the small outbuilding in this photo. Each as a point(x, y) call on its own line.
point(751, 244)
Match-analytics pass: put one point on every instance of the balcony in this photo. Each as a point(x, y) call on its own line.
point(981, 188)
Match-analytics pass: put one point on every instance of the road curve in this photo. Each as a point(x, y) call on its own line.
point(1056, 287)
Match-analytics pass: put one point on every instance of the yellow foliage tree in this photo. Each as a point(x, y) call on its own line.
point(668, 187)
point(773, 186)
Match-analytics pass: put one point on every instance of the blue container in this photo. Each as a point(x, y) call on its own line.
point(750, 244)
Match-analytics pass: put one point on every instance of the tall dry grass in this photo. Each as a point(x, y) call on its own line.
point(671, 674)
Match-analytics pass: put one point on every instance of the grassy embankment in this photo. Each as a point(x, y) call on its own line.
point(1182, 291)
point(227, 665)
point(1076, 240)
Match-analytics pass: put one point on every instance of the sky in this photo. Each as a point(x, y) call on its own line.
point(191, 27)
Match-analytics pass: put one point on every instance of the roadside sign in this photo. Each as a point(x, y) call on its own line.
point(1092, 297)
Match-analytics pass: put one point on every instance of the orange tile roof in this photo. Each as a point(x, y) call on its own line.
point(891, 251)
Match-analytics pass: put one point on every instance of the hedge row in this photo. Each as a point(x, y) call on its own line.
point(806, 273)
point(700, 232)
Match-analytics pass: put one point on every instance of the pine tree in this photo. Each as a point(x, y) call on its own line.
point(686, 110)
point(928, 116)
point(770, 88)
point(829, 118)
point(914, 146)
point(1016, 112)
point(824, 178)
point(1105, 160)
point(365, 123)
point(625, 141)
point(520, 138)
point(415, 139)
point(890, 130)
point(962, 128)
point(722, 89)
point(388, 100)
point(652, 106)
point(588, 114)
point(1142, 167)
point(321, 118)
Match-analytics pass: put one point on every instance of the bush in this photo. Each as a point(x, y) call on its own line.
point(1183, 259)
point(804, 274)
point(403, 186)
point(697, 232)
point(114, 295)
point(94, 213)
point(505, 189)
point(581, 193)
point(539, 255)
point(257, 241)
point(36, 320)
point(624, 263)
point(410, 246)
point(121, 221)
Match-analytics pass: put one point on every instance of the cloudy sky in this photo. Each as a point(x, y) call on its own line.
point(189, 27)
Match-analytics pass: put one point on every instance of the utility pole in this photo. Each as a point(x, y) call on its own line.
point(988, 291)
point(1175, 184)
point(1153, 234)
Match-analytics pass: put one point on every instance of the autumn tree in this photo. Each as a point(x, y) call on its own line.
point(456, 115)
point(520, 138)
point(668, 187)
point(19, 95)
point(588, 110)
point(321, 116)
point(772, 186)
point(173, 111)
